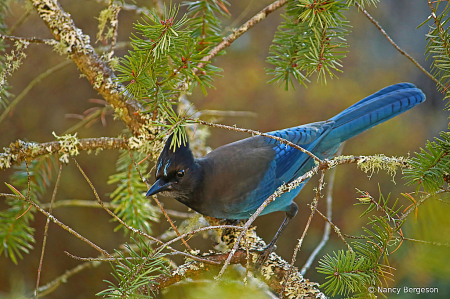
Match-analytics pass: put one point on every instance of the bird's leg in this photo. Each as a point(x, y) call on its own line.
point(290, 213)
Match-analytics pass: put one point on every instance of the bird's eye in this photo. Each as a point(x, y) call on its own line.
point(180, 173)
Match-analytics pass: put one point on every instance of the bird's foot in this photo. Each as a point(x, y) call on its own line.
point(264, 256)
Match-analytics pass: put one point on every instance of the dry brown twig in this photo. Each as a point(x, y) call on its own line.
point(62, 225)
point(391, 41)
point(36, 292)
point(308, 223)
point(241, 30)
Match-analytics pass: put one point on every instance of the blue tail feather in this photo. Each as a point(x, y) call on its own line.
point(381, 92)
point(374, 110)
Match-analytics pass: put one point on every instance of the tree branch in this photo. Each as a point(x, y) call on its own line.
point(33, 82)
point(281, 140)
point(271, 273)
point(79, 49)
point(241, 30)
point(371, 19)
point(36, 40)
point(19, 151)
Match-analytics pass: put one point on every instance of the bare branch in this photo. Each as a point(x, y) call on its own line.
point(282, 140)
point(109, 205)
point(65, 227)
point(327, 229)
point(35, 81)
point(241, 30)
point(143, 259)
point(371, 19)
point(36, 292)
point(308, 223)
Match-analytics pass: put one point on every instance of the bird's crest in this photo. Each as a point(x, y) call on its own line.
point(174, 154)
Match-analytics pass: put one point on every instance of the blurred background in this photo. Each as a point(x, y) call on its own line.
point(371, 64)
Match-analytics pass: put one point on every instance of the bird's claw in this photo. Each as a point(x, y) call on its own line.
point(264, 256)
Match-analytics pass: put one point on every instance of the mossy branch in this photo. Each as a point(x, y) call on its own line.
point(271, 273)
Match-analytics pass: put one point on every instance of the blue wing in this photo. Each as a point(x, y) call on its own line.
point(288, 163)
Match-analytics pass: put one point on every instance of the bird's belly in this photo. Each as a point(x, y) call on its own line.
point(242, 210)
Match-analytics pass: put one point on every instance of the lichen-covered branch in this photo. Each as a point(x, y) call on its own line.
point(77, 46)
point(19, 151)
point(36, 40)
point(271, 273)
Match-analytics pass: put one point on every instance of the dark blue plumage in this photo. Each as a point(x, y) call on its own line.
point(233, 180)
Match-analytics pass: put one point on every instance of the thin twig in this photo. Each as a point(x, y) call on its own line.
point(300, 241)
point(228, 113)
point(30, 85)
point(115, 26)
point(226, 42)
point(109, 211)
point(19, 22)
point(371, 19)
point(336, 229)
point(64, 226)
point(353, 237)
point(36, 292)
point(112, 259)
point(55, 283)
point(198, 230)
point(11, 195)
point(94, 204)
point(279, 139)
point(427, 242)
point(28, 181)
point(327, 229)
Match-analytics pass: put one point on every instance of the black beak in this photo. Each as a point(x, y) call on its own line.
point(159, 186)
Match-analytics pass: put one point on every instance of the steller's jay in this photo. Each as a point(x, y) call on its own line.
point(232, 181)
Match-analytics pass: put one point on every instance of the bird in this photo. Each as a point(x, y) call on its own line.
point(233, 180)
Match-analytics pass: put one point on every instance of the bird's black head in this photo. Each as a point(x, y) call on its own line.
point(177, 174)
